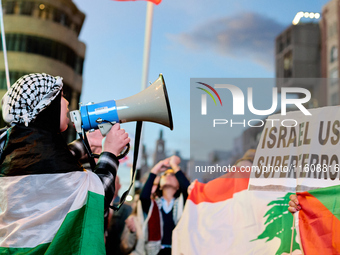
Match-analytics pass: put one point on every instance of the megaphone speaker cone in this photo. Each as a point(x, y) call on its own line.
point(151, 104)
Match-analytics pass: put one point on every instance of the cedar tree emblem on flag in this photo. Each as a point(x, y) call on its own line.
point(279, 224)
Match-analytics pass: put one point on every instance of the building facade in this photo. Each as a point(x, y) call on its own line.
point(42, 36)
point(298, 61)
point(330, 38)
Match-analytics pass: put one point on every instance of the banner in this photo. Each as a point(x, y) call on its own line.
point(298, 152)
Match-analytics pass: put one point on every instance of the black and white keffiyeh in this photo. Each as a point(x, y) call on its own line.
point(28, 96)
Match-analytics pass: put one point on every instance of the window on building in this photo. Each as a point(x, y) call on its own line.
point(3, 83)
point(288, 65)
point(56, 15)
point(26, 8)
point(79, 65)
point(67, 21)
point(279, 44)
point(334, 99)
point(334, 75)
point(10, 7)
point(13, 75)
point(332, 30)
point(9, 42)
point(77, 28)
point(288, 38)
point(45, 47)
point(334, 54)
point(61, 17)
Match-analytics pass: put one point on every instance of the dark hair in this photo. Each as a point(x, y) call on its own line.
point(159, 192)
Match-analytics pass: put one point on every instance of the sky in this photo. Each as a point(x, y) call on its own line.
point(190, 39)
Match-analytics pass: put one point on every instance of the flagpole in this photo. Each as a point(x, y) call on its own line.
point(147, 44)
point(292, 238)
point(4, 46)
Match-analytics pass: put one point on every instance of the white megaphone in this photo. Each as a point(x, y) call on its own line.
point(151, 104)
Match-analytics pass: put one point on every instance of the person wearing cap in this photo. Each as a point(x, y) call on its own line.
point(163, 212)
point(49, 204)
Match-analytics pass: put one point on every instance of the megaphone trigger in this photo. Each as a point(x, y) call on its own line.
point(105, 128)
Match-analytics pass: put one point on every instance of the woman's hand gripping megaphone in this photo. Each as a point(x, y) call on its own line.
point(105, 128)
point(116, 140)
point(97, 143)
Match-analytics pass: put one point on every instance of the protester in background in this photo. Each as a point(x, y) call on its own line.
point(45, 193)
point(132, 241)
point(116, 223)
point(164, 211)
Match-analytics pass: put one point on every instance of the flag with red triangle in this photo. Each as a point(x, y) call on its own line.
point(319, 220)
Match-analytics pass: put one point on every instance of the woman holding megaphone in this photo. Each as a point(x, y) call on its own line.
point(48, 201)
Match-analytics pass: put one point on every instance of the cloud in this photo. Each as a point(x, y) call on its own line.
point(248, 35)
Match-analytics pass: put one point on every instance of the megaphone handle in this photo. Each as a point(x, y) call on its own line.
point(125, 152)
point(121, 155)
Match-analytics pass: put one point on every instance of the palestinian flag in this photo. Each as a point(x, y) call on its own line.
point(222, 217)
point(61, 214)
point(319, 220)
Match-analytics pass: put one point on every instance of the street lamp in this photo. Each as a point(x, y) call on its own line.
point(308, 15)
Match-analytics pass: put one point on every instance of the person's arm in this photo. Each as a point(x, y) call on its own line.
point(129, 236)
point(145, 195)
point(107, 165)
point(128, 241)
point(106, 169)
point(184, 183)
point(78, 150)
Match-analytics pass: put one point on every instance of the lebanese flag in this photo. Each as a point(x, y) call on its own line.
point(204, 227)
point(153, 1)
point(319, 220)
point(68, 218)
point(222, 217)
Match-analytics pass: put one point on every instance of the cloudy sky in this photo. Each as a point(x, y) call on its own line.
point(190, 39)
